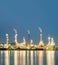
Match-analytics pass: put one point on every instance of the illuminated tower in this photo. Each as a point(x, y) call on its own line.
point(41, 41)
point(31, 42)
point(28, 31)
point(16, 35)
point(49, 40)
point(52, 42)
point(24, 40)
point(16, 38)
point(7, 39)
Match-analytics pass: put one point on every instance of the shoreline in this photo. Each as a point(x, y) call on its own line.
point(32, 49)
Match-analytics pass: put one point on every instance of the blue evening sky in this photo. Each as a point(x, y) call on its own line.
point(29, 15)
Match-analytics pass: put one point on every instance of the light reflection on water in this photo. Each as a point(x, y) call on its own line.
point(27, 57)
point(50, 57)
point(6, 57)
point(40, 57)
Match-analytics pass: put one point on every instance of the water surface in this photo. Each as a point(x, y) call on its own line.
point(21, 57)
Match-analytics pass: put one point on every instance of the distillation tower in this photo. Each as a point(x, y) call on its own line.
point(24, 41)
point(15, 36)
point(51, 41)
point(7, 39)
point(41, 41)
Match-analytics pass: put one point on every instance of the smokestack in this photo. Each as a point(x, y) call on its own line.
point(49, 40)
point(7, 39)
point(16, 35)
point(40, 30)
point(52, 42)
point(41, 41)
point(28, 31)
point(24, 40)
